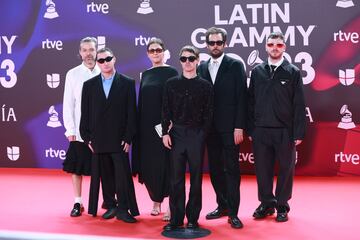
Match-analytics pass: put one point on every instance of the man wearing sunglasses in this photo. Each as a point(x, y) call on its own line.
point(276, 125)
point(229, 82)
point(187, 104)
point(108, 112)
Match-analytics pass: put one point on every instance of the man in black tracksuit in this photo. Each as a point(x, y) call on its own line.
point(276, 125)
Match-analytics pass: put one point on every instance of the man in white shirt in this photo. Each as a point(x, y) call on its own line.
point(78, 156)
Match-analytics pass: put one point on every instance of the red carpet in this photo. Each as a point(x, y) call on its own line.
point(40, 200)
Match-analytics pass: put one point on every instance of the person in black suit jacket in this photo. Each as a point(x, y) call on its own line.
point(108, 112)
point(229, 80)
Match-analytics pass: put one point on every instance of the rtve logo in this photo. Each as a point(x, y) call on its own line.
point(346, 37)
point(249, 157)
point(347, 158)
point(94, 8)
point(142, 41)
point(55, 153)
point(48, 44)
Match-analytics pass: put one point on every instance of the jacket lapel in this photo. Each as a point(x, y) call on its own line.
point(206, 72)
point(112, 93)
point(113, 87)
point(222, 69)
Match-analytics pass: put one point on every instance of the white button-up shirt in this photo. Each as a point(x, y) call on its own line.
point(214, 65)
point(74, 81)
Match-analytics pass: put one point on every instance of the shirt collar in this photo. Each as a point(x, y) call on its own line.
point(219, 59)
point(110, 78)
point(275, 64)
point(96, 69)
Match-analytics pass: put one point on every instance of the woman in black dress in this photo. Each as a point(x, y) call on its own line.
point(150, 158)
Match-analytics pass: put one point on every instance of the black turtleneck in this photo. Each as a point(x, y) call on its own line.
point(187, 102)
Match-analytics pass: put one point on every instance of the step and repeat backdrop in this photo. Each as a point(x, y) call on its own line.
point(39, 42)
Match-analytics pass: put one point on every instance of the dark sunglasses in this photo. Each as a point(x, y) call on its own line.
point(278, 45)
point(191, 59)
point(212, 43)
point(156, 50)
point(107, 59)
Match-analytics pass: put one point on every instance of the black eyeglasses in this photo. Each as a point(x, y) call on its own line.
point(212, 43)
point(107, 59)
point(191, 59)
point(156, 50)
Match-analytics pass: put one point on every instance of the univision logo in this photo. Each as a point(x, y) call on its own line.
point(101, 41)
point(53, 80)
point(13, 153)
point(347, 77)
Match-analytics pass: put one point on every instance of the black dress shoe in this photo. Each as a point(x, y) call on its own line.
point(263, 211)
point(110, 213)
point(126, 217)
point(217, 213)
point(282, 215)
point(171, 227)
point(192, 225)
point(77, 210)
point(235, 222)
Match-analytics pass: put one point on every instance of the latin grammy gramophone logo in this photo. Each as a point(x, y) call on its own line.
point(50, 10)
point(344, 3)
point(13, 153)
point(346, 120)
point(145, 7)
point(54, 118)
point(254, 58)
point(167, 55)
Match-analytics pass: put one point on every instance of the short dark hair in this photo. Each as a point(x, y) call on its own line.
point(157, 41)
point(87, 40)
point(215, 30)
point(276, 35)
point(105, 49)
point(191, 49)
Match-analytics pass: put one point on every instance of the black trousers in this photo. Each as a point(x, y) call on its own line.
point(224, 168)
point(114, 171)
point(187, 146)
point(270, 145)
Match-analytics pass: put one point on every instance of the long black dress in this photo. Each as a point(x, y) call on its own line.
point(150, 157)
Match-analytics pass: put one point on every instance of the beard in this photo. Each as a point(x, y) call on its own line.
point(216, 53)
point(275, 55)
